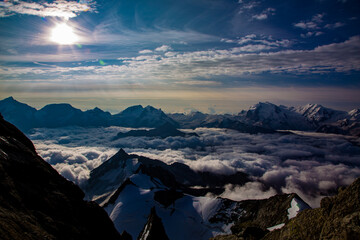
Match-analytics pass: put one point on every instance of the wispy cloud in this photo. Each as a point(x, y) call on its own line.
point(163, 48)
point(264, 14)
point(247, 5)
point(315, 26)
point(314, 23)
point(145, 51)
point(334, 25)
point(58, 8)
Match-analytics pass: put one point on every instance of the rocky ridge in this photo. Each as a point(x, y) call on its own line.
point(37, 203)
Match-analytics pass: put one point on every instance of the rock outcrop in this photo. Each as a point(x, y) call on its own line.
point(337, 218)
point(153, 229)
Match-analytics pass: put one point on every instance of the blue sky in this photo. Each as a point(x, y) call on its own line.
point(207, 55)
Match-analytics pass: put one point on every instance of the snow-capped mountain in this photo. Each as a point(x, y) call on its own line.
point(274, 117)
point(311, 117)
point(318, 114)
point(132, 189)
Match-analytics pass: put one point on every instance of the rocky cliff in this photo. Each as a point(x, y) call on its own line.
point(37, 203)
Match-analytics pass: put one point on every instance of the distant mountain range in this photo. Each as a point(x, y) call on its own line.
point(268, 117)
point(260, 118)
point(60, 115)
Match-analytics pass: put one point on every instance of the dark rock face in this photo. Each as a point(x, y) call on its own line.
point(167, 197)
point(37, 203)
point(253, 217)
point(337, 218)
point(153, 229)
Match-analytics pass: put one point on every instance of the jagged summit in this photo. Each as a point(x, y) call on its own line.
point(271, 116)
point(317, 113)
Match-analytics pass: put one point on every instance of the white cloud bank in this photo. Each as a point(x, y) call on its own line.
point(309, 166)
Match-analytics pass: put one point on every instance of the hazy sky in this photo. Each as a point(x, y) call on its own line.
point(207, 55)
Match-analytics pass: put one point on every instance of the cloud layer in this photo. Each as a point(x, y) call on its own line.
point(256, 57)
point(312, 166)
point(58, 8)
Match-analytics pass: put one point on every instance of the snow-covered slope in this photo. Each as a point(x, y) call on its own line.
point(131, 188)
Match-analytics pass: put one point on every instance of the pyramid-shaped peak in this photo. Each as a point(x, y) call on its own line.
point(121, 152)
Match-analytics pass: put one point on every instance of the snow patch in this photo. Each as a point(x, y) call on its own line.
point(276, 227)
point(297, 206)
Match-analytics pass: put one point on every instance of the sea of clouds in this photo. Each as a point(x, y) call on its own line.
point(310, 165)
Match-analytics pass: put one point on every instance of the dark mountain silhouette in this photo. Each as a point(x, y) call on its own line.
point(19, 114)
point(163, 131)
point(36, 202)
point(63, 114)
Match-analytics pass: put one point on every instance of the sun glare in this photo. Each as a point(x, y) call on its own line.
point(63, 34)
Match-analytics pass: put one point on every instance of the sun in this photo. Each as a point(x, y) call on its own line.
point(63, 34)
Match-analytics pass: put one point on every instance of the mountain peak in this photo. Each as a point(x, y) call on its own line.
point(9, 99)
point(134, 108)
point(121, 153)
point(151, 108)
